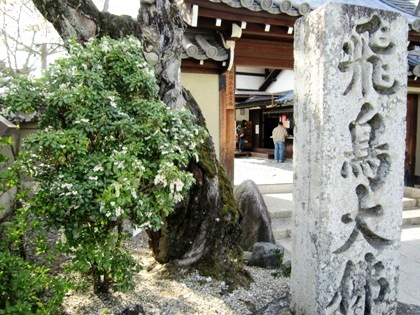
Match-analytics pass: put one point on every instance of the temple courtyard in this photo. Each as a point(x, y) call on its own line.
point(275, 181)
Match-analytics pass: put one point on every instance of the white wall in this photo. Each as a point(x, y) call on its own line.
point(249, 82)
point(205, 89)
point(239, 116)
point(285, 82)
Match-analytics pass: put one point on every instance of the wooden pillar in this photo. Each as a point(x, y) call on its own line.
point(227, 121)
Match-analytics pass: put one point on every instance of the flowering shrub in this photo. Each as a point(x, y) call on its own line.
point(25, 287)
point(108, 150)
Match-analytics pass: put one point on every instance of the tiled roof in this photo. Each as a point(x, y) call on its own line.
point(278, 100)
point(300, 7)
point(205, 46)
point(202, 46)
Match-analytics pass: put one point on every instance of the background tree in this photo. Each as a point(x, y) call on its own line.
point(204, 230)
point(28, 39)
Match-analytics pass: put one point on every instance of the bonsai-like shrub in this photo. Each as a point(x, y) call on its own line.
point(107, 151)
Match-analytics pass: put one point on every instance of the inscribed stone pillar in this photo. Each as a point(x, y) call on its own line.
point(350, 105)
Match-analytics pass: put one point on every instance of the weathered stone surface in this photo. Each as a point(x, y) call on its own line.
point(267, 255)
point(349, 160)
point(281, 306)
point(133, 310)
point(255, 221)
point(276, 307)
point(408, 309)
point(6, 200)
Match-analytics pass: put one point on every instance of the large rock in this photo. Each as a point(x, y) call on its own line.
point(255, 222)
point(6, 202)
point(267, 255)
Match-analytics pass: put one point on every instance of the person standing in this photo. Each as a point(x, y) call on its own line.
point(279, 137)
point(241, 132)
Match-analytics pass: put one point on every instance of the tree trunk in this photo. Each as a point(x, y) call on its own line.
point(204, 230)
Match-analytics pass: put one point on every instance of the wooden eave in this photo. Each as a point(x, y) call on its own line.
point(257, 47)
point(225, 12)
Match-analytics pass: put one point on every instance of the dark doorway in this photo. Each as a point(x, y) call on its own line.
point(410, 141)
point(269, 125)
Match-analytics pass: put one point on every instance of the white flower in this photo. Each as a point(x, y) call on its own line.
point(95, 178)
point(98, 168)
point(117, 189)
point(118, 212)
point(160, 178)
point(134, 193)
point(108, 214)
point(112, 101)
point(169, 164)
point(217, 219)
point(120, 165)
point(177, 198)
point(178, 184)
point(105, 47)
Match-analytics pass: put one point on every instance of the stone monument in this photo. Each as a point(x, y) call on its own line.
point(350, 107)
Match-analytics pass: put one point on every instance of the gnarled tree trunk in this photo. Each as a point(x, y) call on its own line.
point(204, 229)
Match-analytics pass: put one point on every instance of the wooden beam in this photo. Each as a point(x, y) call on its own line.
point(209, 66)
point(227, 122)
point(269, 79)
point(413, 83)
point(276, 33)
point(266, 54)
point(414, 37)
point(252, 30)
point(264, 62)
point(225, 12)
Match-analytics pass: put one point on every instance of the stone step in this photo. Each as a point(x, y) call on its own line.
point(282, 227)
point(281, 213)
point(275, 188)
point(411, 217)
point(279, 205)
point(409, 203)
point(410, 234)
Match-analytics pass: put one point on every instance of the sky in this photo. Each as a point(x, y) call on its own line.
point(128, 7)
point(19, 22)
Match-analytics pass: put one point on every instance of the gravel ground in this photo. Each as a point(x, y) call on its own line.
point(169, 291)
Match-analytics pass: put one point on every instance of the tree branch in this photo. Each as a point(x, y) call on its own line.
point(71, 18)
